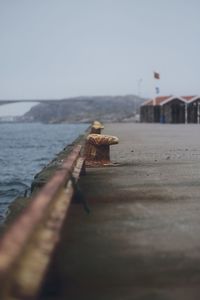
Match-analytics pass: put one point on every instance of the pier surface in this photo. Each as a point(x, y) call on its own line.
point(141, 239)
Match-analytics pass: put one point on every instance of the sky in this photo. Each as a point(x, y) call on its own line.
point(52, 49)
point(16, 109)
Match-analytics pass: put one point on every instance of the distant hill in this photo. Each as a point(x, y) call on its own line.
point(86, 109)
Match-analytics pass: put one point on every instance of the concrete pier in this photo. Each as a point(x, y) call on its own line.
point(141, 237)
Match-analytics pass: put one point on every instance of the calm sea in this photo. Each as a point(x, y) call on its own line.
point(24, 150)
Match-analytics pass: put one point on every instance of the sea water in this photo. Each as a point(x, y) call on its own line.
point(24, 150)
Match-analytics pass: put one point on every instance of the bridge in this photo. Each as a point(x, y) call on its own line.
point(3, 102)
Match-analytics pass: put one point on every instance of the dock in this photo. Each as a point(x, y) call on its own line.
point(139, 237)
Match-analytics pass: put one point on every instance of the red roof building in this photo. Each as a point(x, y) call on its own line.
point(171, 109)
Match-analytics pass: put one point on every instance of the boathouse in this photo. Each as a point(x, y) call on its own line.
point(193, 110)
point(171, 109)
point(147, 114)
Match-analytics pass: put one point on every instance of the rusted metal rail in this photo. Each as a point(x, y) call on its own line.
point(27, 246)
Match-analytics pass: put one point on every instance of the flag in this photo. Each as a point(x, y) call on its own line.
point(156, 75)
point(157, 90)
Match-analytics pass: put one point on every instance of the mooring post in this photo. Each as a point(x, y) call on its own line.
point(99, 153)
point(97, 127)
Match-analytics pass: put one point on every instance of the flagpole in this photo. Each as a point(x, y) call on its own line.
point(156, 89)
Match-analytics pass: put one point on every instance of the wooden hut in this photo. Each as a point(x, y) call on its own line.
point(150, 110)
point(147, 112)
point(173, 110)
point(165, 109)
point(193, 110)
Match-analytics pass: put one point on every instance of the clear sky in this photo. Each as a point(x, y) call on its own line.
point(64, 48)
point(16, 109)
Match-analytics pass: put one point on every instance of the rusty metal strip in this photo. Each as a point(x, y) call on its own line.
point(26, 247)
point(78, 168)
point(28, 271)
